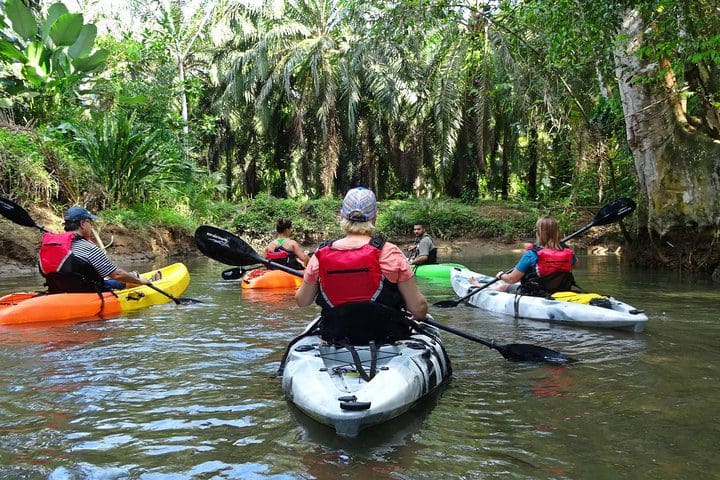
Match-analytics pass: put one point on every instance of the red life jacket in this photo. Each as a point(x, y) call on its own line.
point(551, 260)
point(553, 272)
point(284, 257)
point(55, 249)
point(279, 254)
point(354, 276)
point(63, 271)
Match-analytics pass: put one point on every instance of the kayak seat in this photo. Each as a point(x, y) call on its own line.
point(359, 323)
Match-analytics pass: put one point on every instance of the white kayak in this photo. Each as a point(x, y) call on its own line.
point(326, 383)
point(621, 315)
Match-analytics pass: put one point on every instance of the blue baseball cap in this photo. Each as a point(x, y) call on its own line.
point(359, 205)
point(78, 213)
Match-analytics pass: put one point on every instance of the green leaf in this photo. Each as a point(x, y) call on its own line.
point(83, 45)
point(6, 103)
point(22, 19)
point(33, 74)
point(61, 64)
point(88, 64)
point(11, 52)
point(133, 100)
point(35, 52)
point(66, 29)
point(54, 12)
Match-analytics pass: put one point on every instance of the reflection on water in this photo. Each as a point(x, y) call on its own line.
point(190, 392)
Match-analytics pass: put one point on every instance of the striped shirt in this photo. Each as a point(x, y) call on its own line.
point(92, 254)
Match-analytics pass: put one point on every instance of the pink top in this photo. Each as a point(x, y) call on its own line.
point(393, 264)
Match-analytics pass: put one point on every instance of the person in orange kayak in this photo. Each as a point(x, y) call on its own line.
point(284, 249)
point(360, 269)
point(72, 262)
point(545, 267)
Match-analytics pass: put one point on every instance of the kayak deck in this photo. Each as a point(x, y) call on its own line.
point(619, 316)
point(34, 307)
point(326, 383)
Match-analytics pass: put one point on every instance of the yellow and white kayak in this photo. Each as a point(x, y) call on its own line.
point(32, 307)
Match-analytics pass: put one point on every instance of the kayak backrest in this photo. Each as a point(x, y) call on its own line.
point(358, 323)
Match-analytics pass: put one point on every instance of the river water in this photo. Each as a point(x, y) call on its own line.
point(176, 392)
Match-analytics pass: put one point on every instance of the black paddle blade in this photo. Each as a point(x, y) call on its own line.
point(523, 352)
point(232, 273)
point(14, 212)
point(614, 211)
point(447, 303)
point(225, 247)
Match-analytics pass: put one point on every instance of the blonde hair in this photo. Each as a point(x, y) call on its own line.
point(547, 233)
point(358, 228)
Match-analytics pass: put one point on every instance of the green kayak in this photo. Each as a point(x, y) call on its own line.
point(437, 271)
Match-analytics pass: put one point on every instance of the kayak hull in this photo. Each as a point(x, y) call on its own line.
point(620, 316)
point(262, 279)
point(437, 271)
point(322, 380)
point(34, 307)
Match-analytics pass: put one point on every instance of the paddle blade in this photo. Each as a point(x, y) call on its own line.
point(225, 247)
point(447, 303)
point(614, 211)
point(14, 212)
point(523, 352)
point(232, 273)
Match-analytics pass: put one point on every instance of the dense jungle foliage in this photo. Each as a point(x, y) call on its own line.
point(192, 109)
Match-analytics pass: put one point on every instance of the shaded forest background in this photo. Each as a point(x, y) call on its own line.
point(181, 111)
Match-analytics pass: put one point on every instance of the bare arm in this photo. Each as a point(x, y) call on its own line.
point(299, 253)
point(123, 276)
point(511, 277)
point(306, 294)
point(414, 300)
point(419, 260)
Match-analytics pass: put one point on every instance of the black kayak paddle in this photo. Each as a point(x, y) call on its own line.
point(517, 352)
point(230, 249)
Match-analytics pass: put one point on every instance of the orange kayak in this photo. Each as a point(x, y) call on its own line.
point(262, 278)
point(32, 307)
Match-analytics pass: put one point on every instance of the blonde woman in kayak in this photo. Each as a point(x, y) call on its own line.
point(545, 267)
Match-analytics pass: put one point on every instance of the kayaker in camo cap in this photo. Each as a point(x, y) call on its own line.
point(72, 262)
point(360, 268)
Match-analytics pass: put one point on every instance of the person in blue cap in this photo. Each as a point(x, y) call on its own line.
point(72, 262)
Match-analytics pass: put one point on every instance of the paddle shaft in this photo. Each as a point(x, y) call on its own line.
point(163, 292)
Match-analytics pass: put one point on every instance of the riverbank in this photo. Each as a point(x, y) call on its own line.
point(126, 246)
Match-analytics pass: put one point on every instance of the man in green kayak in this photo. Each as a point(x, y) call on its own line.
point(423, 250)
point(72, 262)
